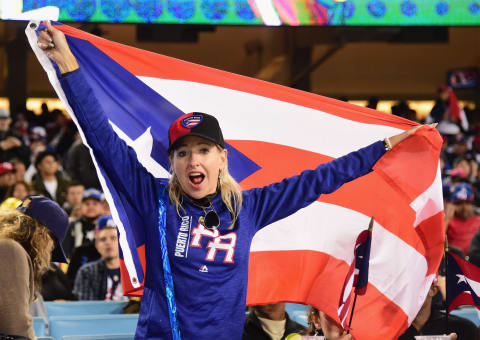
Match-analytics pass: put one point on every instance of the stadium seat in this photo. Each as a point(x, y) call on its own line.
point(84, 307)
point(99, 324)
point(100, 337)
point(297, 312)
point(469, 313)
point(38, 326)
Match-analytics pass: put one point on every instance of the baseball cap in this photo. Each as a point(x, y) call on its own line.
point(49, 214)
point(6, 167)
point(93, 194)
point(458, 172)
point(105, 221)
point(38, 133)
point(195, 124)
point(4, 114)
point(462, 192)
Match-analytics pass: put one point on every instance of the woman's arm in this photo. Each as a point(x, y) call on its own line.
point(114, 157)
point(279, 200)
point(16, 289)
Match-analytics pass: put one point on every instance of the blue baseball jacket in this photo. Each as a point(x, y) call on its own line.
point(210, 269)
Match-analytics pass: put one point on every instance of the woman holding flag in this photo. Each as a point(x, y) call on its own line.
point(198, 227)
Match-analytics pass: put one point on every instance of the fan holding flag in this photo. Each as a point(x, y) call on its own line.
point(195, 229)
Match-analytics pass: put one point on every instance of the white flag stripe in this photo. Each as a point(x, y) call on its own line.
point(332, 229)
point(246, 116)
point(52, 76)
point(430, 202)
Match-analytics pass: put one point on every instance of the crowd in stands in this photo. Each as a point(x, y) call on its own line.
point(43, 155)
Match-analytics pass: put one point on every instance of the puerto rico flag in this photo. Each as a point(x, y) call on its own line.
point(273, 132)
point(357, 276)
point(463, 283)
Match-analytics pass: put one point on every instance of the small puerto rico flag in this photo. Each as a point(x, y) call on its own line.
point(357, 276)
point(463, 282)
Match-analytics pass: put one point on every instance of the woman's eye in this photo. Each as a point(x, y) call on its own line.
point(181, 153)
point(204, 150)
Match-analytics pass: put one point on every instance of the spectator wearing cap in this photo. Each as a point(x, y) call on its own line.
point(81, 230)
point(100, 280)
point(11, 145)
point(79, 165)
point(460, 219)
point(30, 238)
point(7, 179)
point(49, 181)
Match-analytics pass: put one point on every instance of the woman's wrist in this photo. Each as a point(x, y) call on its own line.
point(69, 64)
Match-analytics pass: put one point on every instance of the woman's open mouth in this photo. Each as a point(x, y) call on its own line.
point(196, 178)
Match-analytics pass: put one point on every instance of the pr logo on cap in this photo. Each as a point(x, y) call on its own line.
point(191, 121)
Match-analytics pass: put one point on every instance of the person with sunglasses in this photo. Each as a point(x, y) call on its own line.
point(30, 237)
point(206, 221)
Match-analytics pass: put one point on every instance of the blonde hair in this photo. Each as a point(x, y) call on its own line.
point(32, 236)
point(229, 189)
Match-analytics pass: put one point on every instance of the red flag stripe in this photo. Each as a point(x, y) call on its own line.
point(149, 64)
point(294, 268)
point(373, 187)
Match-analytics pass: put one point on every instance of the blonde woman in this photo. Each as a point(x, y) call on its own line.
point(198, 227)
point(30, 237)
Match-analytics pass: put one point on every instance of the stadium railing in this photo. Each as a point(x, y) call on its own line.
point(84, 307)
point(92, 325)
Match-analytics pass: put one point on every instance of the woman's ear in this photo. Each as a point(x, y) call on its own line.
point(223, 158)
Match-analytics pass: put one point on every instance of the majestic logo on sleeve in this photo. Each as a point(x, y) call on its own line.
point(224, 243)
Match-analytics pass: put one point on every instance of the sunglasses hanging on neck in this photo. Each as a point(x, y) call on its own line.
point(210, 219)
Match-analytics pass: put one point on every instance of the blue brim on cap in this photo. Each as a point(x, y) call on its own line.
point(58, 255)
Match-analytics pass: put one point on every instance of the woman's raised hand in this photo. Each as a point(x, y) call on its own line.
point(394, 140)
point(55, 45)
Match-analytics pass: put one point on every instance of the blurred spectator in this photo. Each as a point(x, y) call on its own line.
point(331, 329)
point(430, 321)
point(20, 190)
point(403, 110)
point(456, 148)
point(313, 319)
point(100, 280)
point(461, 222)
point(372, 103)
point(79, 165)
point(54, 126)
point(56, 286)
point(43, 118)
point(270, 322)
point(452, 119)
point(11, 145)
point(73, 200)
point(38, 144)
point(20, 127)
point(476, 149)
point(7, 179)
point(20, 169)
point(65, 139)
point(81, 231)
point(474, 250)
point(49, 181)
